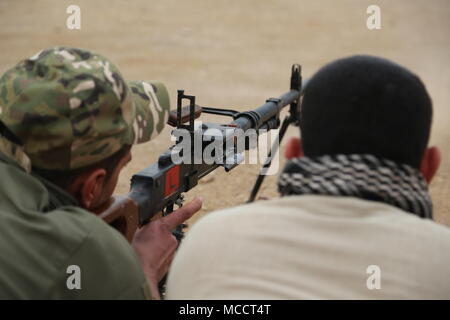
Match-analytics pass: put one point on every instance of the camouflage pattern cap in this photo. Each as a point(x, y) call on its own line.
point(71, 108)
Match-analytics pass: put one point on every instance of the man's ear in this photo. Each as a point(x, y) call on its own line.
point(91, 188)
point(430, 163)
point(294, 148)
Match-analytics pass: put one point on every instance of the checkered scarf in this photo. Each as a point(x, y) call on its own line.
point(361, 176)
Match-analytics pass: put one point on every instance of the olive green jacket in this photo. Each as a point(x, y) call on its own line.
point(43, 232)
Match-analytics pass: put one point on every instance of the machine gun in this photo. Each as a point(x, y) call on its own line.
point(159, 187)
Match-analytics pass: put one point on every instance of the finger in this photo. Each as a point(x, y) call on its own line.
point(170, 258)
point(184, 213)
point(165, 268)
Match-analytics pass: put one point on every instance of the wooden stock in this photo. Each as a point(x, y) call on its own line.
point(122, 213)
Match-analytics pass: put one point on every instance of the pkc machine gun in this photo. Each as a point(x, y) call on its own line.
point(159, 187)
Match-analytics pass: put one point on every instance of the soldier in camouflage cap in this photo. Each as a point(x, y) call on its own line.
point(71, 108)
point(68, 115)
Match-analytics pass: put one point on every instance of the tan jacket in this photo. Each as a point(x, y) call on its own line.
point(312, 247)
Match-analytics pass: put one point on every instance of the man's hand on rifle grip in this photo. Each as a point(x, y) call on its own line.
point(155, 244)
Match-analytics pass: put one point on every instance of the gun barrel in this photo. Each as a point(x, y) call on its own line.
point(256, 118)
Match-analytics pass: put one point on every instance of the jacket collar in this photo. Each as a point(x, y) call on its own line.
point(57, 196)
point(13, 155)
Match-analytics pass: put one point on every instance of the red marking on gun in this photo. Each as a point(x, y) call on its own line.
point(172, 181)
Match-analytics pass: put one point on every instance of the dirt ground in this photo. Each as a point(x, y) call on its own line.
point(237, 54)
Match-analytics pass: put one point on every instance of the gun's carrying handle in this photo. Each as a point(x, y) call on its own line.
point(185, 114)
point(122, 213)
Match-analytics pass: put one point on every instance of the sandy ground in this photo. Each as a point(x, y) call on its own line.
point(237, 54)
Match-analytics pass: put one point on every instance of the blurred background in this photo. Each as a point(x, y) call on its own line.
point(238, 53)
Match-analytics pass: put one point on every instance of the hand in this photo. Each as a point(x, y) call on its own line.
point(155, 244)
